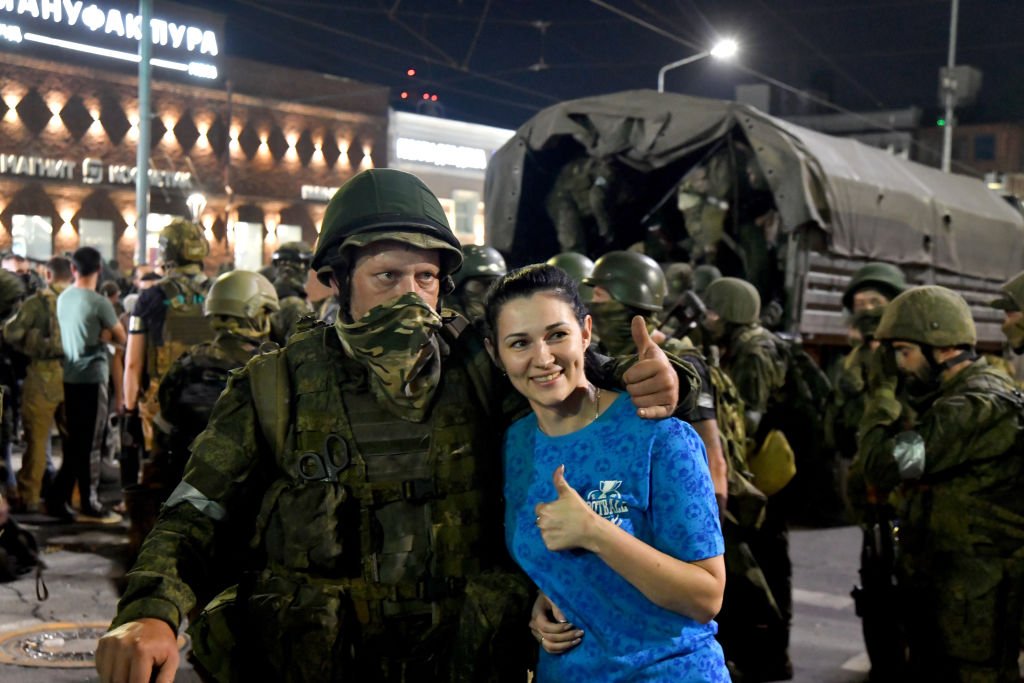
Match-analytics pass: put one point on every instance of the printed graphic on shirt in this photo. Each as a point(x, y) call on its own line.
point(607, 501)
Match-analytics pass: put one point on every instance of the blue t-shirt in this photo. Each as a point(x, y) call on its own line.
point(652, 479)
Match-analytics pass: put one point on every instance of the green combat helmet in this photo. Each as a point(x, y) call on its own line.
point(932, 316)
point(383, 204)
point(703, 276)
point(244, 295)
point(293, 252)
point(632, 279)
point(1013, 295)
point(182, 242)
point(577, 266)
point(883, 277)
point(480, 261)
point(679, 277)
point(734, 300)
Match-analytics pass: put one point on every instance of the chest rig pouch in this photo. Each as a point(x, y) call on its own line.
point(388, 511)
point(184, 327)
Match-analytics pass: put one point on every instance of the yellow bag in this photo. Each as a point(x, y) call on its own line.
point(774, 464)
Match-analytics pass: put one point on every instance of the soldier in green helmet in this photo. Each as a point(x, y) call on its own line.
point(290, 272)
point(1012, 304)
point(783, 394)
point(167, 320)
point(481, 265)
point(576, 265)
point(953, 460)
point(360, 462)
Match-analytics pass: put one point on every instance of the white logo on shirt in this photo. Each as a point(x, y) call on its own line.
point(607, 501)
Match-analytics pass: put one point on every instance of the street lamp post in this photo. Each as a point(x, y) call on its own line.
point(723, 49)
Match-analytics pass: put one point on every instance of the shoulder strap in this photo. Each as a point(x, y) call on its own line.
point(271, 395)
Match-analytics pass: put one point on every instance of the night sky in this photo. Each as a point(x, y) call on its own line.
point(499, 61)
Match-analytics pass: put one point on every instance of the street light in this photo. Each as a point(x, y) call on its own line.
point(723, 49)
point(196, 202)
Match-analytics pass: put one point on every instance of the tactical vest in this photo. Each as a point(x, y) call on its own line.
point(184, 324)
point(368, 510)
point(746, 502)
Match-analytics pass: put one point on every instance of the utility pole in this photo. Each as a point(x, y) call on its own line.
point(145, 126)
point(950, 94)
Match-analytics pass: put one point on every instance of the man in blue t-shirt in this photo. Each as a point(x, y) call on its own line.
point(87, 324)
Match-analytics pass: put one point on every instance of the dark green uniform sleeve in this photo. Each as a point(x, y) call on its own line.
point(757, 374)
point(222, 482)
point(956, 429)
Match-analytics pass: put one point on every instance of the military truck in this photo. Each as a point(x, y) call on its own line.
point(790, 209)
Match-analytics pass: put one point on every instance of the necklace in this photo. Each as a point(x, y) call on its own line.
point(597, 402)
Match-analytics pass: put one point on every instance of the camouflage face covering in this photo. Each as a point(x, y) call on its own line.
point(397, 342)
point(613, 325)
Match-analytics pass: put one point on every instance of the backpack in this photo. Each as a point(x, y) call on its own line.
point(184, 326)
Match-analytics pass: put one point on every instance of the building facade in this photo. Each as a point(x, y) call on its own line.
point(255, 146)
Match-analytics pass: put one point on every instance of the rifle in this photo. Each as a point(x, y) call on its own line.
point(876, 599)
point(688, 309)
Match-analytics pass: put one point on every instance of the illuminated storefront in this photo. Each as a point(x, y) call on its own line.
point(450, 157)
point(248, 139)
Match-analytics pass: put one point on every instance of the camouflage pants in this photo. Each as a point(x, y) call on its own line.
point(963, 617)
point(41, 396)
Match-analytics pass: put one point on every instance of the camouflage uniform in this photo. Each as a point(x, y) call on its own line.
point(34, 331)
point(169, 313)
point(388, 571)
point(755, 361)
point(12, 290)
point(958, 471)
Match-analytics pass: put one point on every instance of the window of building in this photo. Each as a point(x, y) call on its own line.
point(98, 234)
point(289, 233)
point(466, 203)
point(32, 236)
point(985, 147)
point(248, 245)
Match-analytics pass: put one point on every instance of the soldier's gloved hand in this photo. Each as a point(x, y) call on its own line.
point(131, 430)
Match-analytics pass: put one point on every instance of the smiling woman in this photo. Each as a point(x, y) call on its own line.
point(635, 539)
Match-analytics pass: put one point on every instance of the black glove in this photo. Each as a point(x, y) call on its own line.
point(133, 443)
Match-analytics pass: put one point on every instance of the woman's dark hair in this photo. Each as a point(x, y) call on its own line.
point(524, 282)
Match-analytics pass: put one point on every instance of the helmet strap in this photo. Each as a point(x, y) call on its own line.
point(964, 355)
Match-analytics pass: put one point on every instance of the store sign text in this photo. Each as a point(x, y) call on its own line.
point(36, 167)
point(94, 171)
point(72, 18)
point(119, 174)
point(113, 22)
point(317, 193)
point(441, 154)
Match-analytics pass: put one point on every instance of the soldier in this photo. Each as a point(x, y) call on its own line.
point(35, 332)
point(360, 460)
point(870, 290)
point(12, 290)
point(481, 266)
point(167, 320)
point(955, 460)
point(577, 266)
point(1012, 305)
point(240, 306)
point(291, 269)
point(756, 361)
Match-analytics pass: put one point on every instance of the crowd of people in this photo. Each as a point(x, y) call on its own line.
point(455, 471)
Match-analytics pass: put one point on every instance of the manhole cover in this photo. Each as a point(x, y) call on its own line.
point(65, 645)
